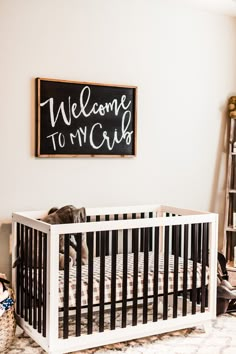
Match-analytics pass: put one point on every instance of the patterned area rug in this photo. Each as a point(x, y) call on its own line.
point(221, 339)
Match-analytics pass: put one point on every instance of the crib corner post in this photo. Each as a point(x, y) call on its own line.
point(13, 250)
point(213, 247)
point(52, 332)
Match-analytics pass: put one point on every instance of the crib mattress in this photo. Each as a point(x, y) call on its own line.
point(119, 278)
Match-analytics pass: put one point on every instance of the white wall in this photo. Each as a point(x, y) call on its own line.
point(182, 60)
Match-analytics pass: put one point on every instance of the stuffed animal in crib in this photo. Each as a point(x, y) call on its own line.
point(5, 299)
point(65, 215)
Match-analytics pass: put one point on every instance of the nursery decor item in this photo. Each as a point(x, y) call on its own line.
point(154, 260)
point(81, 119)
point(7, 314)
point(230, 211)
point(64, 215)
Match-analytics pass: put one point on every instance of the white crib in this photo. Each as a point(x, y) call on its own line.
point(151, 269)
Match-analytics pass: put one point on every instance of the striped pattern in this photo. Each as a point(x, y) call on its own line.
point(185, 279)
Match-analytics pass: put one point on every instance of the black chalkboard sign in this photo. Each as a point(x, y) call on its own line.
point(84, 119)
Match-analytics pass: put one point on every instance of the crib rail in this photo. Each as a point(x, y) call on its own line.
point(139, 248)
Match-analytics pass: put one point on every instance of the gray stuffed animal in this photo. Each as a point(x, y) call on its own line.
point(66, 215)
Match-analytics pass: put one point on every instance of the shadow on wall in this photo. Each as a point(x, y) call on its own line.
point(6, 249)
point(217, 204)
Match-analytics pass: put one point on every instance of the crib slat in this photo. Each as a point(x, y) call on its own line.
point(66, 286)
point(113, 278)
point(78, 238)
point(142, 235)
point(185, 274)
point(199, 256)
point(102, 281)
point(207, 258)
point(22, 277)
point(145, 274)
point(156, 270)
point(180, 243)
point(35, 278)
point(124, 277)
point(44, 284)
point(150, 233)
point(18, 272)
point(107, 218)
point(90, 242)
point(30, 274)
point(133, 238)
point(176, 269)
point(40, 283)
point(135, 235)
point(166, 273)
point(98, 235)
point(26, 286)
point(199, 243)
point(194, 259)
point(204, 263)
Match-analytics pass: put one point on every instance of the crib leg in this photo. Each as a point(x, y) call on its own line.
point(207, 326)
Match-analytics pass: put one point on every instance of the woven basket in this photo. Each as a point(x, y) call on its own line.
point(7, 329)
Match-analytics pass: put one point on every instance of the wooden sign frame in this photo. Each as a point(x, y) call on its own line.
point(82, 119)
